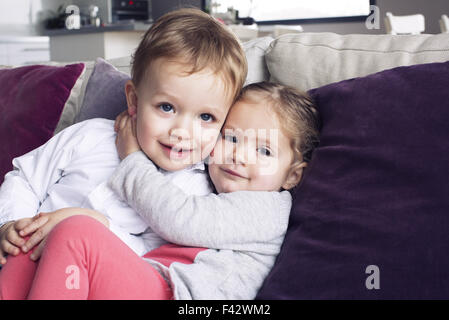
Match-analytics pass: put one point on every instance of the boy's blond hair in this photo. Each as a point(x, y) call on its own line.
point(197, 40)
point(296, 112)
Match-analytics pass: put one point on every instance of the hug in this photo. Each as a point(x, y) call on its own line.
point(320, 173)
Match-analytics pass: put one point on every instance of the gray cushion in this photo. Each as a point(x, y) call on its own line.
point(311, 60)
point(105, 93)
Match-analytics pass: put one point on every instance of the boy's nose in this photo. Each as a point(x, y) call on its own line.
point(179, 134)
point(181, 130)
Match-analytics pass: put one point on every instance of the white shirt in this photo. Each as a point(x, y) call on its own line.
point(72, 169)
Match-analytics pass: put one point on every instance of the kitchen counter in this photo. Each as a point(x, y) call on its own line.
point(23, 39)
point(138, 27)
point(89, 43)
point(23, 50)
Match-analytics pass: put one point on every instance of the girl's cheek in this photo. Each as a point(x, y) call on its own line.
point(268, 167)
point(219, 153)
point(209, 137)
point(207, 149)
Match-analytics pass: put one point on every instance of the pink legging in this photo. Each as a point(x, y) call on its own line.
point(82, 259)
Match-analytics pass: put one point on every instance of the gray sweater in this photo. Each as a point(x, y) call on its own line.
point(243, 230)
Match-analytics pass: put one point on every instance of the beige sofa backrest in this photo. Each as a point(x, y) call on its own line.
point(310, 60)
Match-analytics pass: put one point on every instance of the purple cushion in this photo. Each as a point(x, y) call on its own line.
point(31, 102)
point(376, 192)
point(105, 93)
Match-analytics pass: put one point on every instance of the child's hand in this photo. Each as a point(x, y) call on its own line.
point(39, 228)
point(44, 222)
point(10, 240)
point(126, 140)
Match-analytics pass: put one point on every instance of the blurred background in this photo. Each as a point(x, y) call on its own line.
point(67, 30)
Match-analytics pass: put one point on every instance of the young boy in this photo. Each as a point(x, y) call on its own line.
point(186, 73)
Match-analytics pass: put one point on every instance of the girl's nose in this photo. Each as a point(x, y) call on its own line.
point(241, 154)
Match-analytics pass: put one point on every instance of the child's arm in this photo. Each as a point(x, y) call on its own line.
point(25, 188)
point(243, 220)
point(43, 223)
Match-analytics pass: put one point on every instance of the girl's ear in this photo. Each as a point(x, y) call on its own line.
point(131, 97)
point(294, 176)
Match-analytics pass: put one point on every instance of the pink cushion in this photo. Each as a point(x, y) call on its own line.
point(32, 99)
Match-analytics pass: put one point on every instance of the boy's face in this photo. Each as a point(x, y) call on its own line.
point(179, 116)
point(253, 153)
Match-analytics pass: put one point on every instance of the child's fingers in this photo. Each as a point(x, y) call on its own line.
point(37, 237)
point(124, 121)
point(9, 248)
point(22, 223)
point(134, 126)
point(13, 237)
point(34, 225)
point(127, 125)
point(126, 129)
point(119, 121)
point(38, 251)
point(2, 257)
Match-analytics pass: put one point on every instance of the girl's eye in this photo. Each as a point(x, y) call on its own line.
point(206, 117)
point(230, 138)
point(165, 107)
point(264, 151)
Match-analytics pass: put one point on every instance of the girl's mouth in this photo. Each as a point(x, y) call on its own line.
point(233, 173)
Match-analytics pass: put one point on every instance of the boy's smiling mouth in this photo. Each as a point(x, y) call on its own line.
point(172, 151)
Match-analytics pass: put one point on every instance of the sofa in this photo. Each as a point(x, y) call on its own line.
point(370, 218)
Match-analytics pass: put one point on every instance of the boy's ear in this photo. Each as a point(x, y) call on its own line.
point(131, 97)
point(294, 176)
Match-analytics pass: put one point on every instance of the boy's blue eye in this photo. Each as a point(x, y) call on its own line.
point(165, 107)
point(264, 151)
point(206, 117)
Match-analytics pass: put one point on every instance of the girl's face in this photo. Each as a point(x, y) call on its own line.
point(252, 153)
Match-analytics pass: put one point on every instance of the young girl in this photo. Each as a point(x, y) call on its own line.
point(242, 226)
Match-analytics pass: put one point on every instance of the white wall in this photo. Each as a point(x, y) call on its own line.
point(431, 9)
point(20, 17)
point(23, 17)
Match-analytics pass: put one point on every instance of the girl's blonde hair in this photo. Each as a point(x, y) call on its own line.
point(196, 40)
point(296, 112)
